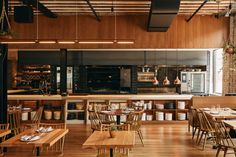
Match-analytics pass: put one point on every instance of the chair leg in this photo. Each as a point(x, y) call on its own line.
point(198, 133)
point(218, 151)
point(204, 143)
point(194, 131)
point(200, 137)
point(140, 138)
point(140, 133)
point(225, 151)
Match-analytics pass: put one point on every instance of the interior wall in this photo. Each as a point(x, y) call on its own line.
point(200, 32)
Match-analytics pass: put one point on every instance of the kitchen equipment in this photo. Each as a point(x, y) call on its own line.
point(145, 76)
point(168, 116)
point(194, 82)
point(169, 105)
point(181, 105)
point(48, 115)
point(160, 106)
point(144, 117)
point(24, 116)
point(57, 115)
point(181, 116)
point(159, 115)
point(149, 117)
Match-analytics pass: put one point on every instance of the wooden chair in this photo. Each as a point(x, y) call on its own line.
point(94, 120)
point(135, 121)
point(105, 119)
point(3, 127)
point(194, 122)
point(14, 120)
point(117, 152)
point(34, 122)
point(58, 146)
point(224, 141)
point(206, 128)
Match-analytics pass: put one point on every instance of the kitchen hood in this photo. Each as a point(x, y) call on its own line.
point(161, 14)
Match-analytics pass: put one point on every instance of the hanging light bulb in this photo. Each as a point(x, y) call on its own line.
point(166, 81)
point(155, 81)
point(177, 80)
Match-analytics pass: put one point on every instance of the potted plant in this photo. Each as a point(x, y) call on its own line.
point(229, 48)
point(112, 131)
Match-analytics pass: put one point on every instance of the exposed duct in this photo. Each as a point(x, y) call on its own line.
point(161, 14)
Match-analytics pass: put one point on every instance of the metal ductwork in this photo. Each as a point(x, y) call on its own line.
point(161, 14)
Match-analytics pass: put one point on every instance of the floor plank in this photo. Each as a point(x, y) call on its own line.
point(161, 140)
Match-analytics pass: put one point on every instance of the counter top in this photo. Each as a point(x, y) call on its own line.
point(102, 97)
point(34, 97)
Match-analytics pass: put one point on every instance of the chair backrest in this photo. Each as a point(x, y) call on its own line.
point(222, 135)
point(4, 127)
point(203, 121)
point(95, 121)
point(116, 127)
point(193, 119)
point(53, 125)
point(38, 116)
point(135, 119)
point(14, 120)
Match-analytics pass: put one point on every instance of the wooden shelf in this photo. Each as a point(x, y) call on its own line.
point(166, 110)
point(72, 111)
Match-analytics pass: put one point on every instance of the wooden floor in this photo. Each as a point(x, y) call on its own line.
point(161, 140)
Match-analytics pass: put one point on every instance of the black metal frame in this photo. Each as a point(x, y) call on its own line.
point(197, 10)
point(63, 71)
point(3, 83)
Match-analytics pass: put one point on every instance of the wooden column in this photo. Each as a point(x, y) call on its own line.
point(3, 83)
point(3, 73)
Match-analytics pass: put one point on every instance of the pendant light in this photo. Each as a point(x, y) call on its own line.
point(166, 81)
point(155, 80)
point(177, 80)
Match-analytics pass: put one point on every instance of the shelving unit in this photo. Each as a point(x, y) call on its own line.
point(50, 107)
point(176, 113)
point(76, 112)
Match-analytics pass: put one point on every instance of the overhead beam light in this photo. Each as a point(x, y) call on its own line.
point(66, 42)
point(125, 42)
point(96, 42)
point(47, 42)
point(17, 42)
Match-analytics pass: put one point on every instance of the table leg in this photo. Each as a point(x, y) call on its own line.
point(111, 152)
point(118, 119)
point(38, 151)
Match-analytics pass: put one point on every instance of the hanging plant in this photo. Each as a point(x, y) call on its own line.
point(229, 48)
point(5, 34)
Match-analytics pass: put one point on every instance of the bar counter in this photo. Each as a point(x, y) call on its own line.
point(102, 97)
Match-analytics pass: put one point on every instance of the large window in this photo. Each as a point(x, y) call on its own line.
point(217, 71)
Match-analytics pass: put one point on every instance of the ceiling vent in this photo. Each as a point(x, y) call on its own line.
point(161, 14)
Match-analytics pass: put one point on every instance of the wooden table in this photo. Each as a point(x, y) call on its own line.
point(4, 132)
point(47, 139)
point(123, 139)
point(222, 114)
point(230, 123)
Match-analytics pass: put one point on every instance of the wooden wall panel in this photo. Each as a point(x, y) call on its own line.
point(209, 101)
point(200, 32)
